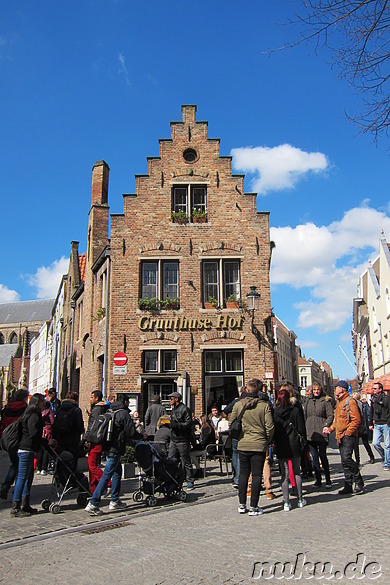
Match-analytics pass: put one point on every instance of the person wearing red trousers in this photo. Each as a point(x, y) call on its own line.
point(98, 406)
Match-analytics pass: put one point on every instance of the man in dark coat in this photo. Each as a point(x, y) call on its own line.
point(123, 431)
point(181, 425)
point(153, 413)
point(68, 426)
point(380, 423)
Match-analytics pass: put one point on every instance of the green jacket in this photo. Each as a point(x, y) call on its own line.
point(257, 424)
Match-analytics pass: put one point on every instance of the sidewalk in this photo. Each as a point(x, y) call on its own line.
point(214, 487)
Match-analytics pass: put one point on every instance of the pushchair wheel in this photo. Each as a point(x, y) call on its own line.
point(182, 495)
point(151, 501)
point(45, 504)
point(82, 500)
point(138, 496)
point(55, 508)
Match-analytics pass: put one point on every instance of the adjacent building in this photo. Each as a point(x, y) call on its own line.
point(371, 321)
point(286, 354)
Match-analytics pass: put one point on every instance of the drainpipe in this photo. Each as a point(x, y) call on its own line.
point(105, 354)
point(73, 306)
point(185, 397)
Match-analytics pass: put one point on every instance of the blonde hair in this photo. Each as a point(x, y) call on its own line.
point(356, 396)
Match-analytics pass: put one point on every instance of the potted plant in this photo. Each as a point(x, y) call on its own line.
point(199, 216)
point(128, 462)
point(211, 303)
point(179, 217)
point(100, 314)
point(149, 304)
point(170, 304)
point(232, 302)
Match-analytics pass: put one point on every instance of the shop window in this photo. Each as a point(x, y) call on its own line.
point(160, 360)
point(221, 280)
point(160, 280)
point(191, 201)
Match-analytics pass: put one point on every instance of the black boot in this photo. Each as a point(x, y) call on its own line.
point(347, 489)
point(4, 491)
point(17, 512)
point(318, 481)
point(26, 506)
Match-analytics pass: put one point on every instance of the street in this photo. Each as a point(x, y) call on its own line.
point(205, 540)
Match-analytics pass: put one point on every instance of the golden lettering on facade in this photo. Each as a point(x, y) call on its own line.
point(183, 324)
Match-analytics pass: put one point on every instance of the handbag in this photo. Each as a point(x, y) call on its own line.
point(302, 440)
point(235, 428)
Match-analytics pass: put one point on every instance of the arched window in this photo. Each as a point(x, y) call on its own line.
point(1, 339)
point(13, 338)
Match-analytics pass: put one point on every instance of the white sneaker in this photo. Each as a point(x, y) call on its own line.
point(255, 511)
point(242, 509)
point(119, 505)
point(287, 506)
point(302, 503)
point(94, 510)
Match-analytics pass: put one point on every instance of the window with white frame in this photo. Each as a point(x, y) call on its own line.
point(221, 280)
point(189, 199)
point(159, 360)
point(160, 279)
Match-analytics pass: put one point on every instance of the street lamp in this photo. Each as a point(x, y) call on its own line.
point(253, 298)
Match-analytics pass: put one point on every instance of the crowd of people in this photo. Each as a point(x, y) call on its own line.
point(296, 433)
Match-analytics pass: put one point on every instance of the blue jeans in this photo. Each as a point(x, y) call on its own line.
point(235, 461)
point(25, 475)
point(382, 432)
point(112, 470)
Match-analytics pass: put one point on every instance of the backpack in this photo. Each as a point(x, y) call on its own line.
point(362, 425)
point(64, 421)
point(102, 428)
point(235, 428)
point(11, 436)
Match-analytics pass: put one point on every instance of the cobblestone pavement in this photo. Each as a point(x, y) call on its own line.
point(204, 541)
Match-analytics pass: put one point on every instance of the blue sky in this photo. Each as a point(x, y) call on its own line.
point(102, 79)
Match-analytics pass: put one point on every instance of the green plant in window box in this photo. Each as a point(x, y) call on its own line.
point(149, 304)
point(100, 314)
point(232, 301)
point(179, 217)
point(199, 216)
point(211, 303)
point(170, 304)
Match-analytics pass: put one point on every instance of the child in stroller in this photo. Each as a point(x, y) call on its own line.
point(66, 478)
point(161, 474)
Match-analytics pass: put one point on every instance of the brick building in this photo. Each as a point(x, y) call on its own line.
point(189, 241)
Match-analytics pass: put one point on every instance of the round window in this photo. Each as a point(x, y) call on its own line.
point(190, 155)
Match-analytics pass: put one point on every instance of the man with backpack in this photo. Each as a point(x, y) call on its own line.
point(98, 407)
point(346, 424)
point(120, 430)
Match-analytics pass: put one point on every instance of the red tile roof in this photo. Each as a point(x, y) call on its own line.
point(82, 263)
point(385, 380)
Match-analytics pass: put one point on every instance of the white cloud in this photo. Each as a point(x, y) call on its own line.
point(47, 278)
point(328, 260)
point(277, 168)
point(123, 69)
point(7, 295)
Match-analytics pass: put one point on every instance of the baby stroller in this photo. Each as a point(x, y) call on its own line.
point(66, 479)
point(161, 474)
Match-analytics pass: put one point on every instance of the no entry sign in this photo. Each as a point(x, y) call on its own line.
point(120, 359)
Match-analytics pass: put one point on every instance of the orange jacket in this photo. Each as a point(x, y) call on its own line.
point(340, 423)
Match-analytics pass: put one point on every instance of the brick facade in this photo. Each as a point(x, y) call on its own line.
point(234, 240)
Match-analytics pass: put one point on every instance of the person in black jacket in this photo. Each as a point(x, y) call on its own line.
point(98, 407)
point(181, 425)
point(153, 413)
point(68, 426)
point(123, 431)
point(289, 424)
point(31, 428)
point(380, 423)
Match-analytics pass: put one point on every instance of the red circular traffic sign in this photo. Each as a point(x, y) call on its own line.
point(120, 358)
